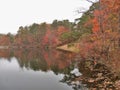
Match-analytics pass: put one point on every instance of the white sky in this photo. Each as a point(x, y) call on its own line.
point(15, 13)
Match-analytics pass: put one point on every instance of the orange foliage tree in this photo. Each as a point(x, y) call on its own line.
point(106, 30)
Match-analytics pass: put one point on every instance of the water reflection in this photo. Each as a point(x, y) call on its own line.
point(95, 76)
point(33, 69)
point(39, 59)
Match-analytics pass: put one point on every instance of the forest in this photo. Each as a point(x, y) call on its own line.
point(96, 32)
point(94, 36)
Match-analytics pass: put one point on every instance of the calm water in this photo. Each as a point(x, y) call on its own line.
point(33, 70)
point(51, 70)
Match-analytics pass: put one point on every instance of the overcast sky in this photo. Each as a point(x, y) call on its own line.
point(15, 13)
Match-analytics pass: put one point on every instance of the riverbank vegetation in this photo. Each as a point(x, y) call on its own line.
point(94, 36)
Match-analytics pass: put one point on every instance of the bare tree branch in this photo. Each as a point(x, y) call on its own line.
point(81, 10)
point(90, 1)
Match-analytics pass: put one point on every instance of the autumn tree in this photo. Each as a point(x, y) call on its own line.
point(105, 29)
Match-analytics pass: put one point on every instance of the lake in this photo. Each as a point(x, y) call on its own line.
point(40, 69)
point(33, 69)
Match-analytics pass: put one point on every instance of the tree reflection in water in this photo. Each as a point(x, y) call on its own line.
point(94, 76)
point(40, 59)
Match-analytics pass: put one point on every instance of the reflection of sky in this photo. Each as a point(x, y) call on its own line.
point(12, 77)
